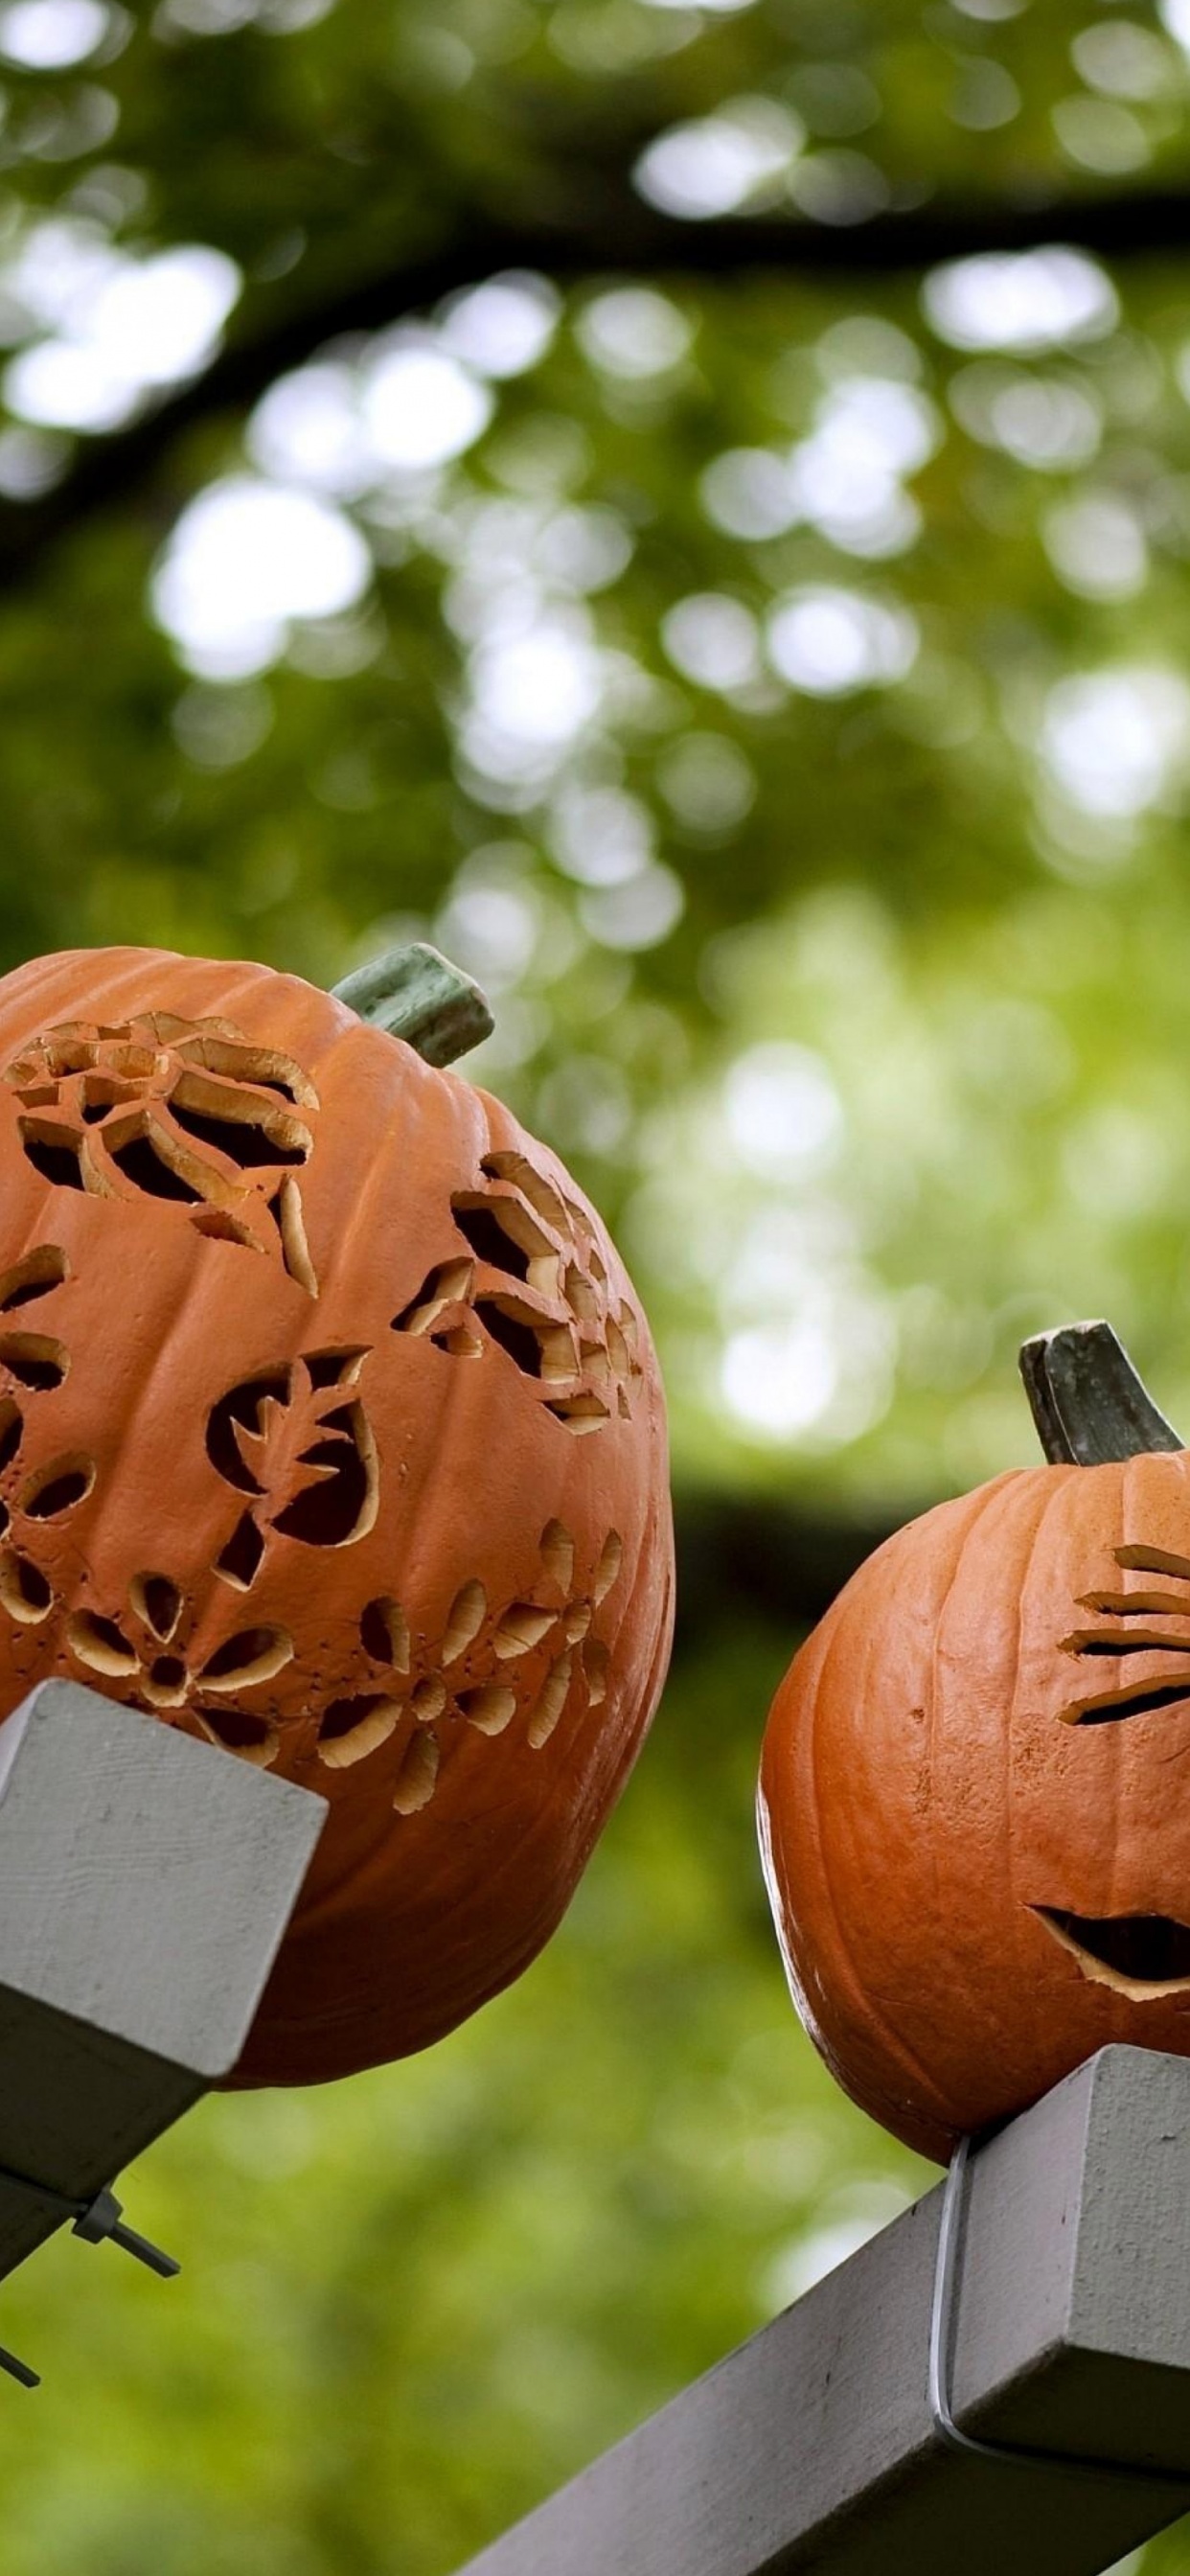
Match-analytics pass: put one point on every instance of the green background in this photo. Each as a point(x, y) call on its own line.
point(853, 990)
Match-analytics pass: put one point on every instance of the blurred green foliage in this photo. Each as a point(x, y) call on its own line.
point(772, 684)
point(412, 2303)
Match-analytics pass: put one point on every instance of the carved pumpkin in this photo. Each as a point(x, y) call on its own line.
point(330, 1430)
point(972, 1799)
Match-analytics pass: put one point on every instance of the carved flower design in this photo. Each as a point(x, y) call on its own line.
point(534, 1283)
point(473, 1675)
point(32, 1500)
point(146, 1648)
point(29, 1503)
point(173, 1109)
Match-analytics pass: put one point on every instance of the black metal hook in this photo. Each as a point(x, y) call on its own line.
point(95, 2221)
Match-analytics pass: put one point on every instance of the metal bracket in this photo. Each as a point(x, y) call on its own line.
point(942, 2323)
point(145, 1884)
point(95, 2221)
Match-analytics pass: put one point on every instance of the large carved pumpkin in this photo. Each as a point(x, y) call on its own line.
point(330, 1430)
point(973, 1798)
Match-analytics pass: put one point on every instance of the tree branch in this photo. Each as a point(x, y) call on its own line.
point(617, 235)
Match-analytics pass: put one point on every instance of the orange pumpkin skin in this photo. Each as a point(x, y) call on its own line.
point(935, 1772)
point(330, 1430)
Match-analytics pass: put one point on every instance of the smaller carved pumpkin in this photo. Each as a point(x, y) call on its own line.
point(972, 1800)
point(331, 1432)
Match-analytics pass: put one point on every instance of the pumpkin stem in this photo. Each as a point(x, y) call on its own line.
point(416, 994)
point(1088, 1403)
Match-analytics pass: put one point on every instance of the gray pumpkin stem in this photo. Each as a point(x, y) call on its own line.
point(1088, 1403)
point(416, 994)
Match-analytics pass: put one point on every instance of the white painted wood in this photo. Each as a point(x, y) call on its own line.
point(145, 1883)
point(812, 2446)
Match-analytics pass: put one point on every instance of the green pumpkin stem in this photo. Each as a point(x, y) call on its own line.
point(1088, 1403)
point(416, 994)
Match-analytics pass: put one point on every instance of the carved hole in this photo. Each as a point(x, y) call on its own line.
point(557, 1354)
point(460, 1341)
point(35, 1358)
point(428, 1700)
point(341, 1502)
point(102, 1092)
point(236, 1126)
point(242, 1141)
point(54, 1154)
point(524, 1343)
point(11, 1430)
point(24, 1591)
point(611, 1558)
point(384, 1633)
point(238, 1731)
point(351, 1728)
point(467, 1613)
point(521, 1628)
point(481, 1221)
point(223, 1228)
point(290, 1218)
point(146, 1161)
point(576, 1623)
point(168, 1026)
point(550, 1702)
point(58, 1488)
point(417, 1775)
point(260, 1066)
point(580, 1294)
point(532, 1185)
point(1153, 1560)
point(1138, 1641)
point(447, 1285)
point(70, 1049)
point(557, 1554)
point(1140, 1703)
point(100, 1645)
point(336, 1368)
point(242, 1408)
point(595, 1664)
point(1135, 1605)
point(255, 1655)
point(579, 1412)
point(286, 1207)
point(158, 1602)
point(490, 1708)
point(239, 1563)
point(33, 1277)
point(166, 1683)
point(618, 1351)
point(138, 1063)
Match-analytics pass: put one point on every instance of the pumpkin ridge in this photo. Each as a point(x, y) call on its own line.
point(1051, 1496)
point(900, 2046)
point(970, 1530)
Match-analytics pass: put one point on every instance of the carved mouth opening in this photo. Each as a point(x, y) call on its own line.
point(1142, 1955)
